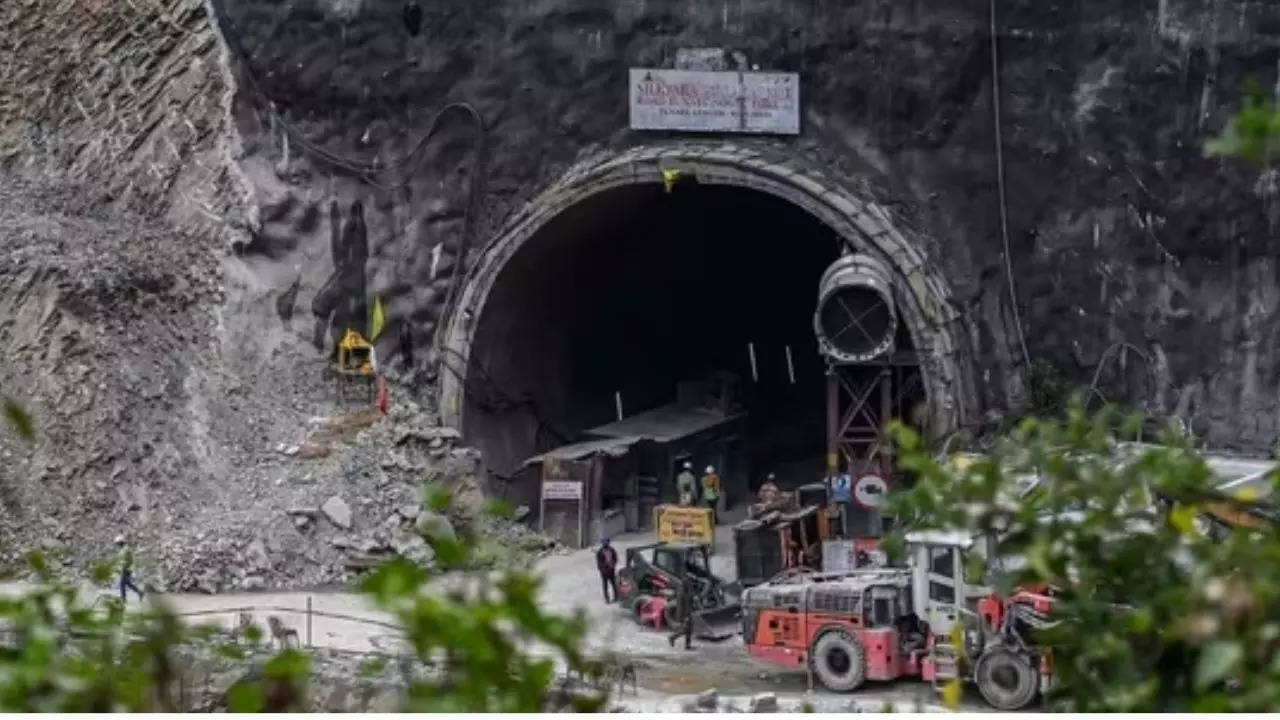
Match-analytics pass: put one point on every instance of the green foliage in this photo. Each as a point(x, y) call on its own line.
point(1253, 134)
point(19, 419)
point(1158, 616)
point(61, 654)
point(476, 636)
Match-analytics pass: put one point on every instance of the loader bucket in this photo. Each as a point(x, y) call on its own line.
point(718, 624)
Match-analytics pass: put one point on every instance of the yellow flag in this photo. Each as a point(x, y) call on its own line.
point(378, 321)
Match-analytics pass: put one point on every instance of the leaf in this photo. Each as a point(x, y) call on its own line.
point(498, 508)
point(1217, 659)
point(1183, 518)
point(1248, 494)
point(245, 698)
point(38, 563)
point(288, 664)
point(19, 419)
point(231, 652)
point(395, 578)
point(438, 499)
point(102, 572)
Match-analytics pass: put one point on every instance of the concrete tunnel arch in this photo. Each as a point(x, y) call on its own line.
point(923, 297)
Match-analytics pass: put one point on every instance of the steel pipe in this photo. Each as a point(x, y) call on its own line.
point(856, 320)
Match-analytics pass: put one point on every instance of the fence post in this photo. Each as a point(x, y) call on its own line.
point(308, 621)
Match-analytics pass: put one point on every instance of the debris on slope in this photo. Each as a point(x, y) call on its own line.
point(219, 466)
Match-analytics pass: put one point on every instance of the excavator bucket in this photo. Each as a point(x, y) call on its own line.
point(718, 624)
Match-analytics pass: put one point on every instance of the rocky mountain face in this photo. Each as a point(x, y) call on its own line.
point(179, 185)
point(1140, 267)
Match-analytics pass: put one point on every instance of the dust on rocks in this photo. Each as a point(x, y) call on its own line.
point(207, 438)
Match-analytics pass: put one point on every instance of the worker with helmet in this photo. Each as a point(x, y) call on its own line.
point(686, 485)
point(711, 492)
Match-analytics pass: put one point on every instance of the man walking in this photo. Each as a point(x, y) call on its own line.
point(711, 493)
point(684, 606)
point(126, 576)
point(607, 563)
point(685, 485)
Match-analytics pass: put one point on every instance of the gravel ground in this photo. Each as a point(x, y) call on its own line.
point(669, 679)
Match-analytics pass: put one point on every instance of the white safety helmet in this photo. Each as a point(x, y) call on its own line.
point(710, 469)
point(688, 465)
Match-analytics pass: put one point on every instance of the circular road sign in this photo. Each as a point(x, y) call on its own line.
point(870, 490)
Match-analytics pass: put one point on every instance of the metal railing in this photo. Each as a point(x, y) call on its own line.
point(308, 614)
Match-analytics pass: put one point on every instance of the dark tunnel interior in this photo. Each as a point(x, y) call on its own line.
point(635, 290)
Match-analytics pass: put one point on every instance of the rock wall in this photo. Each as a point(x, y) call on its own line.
point(1136, 261)
point(179, 180)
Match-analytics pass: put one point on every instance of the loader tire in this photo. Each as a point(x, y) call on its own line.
point(1007, 680)
point(637, 608)
point(839, 661)
point(671, 615)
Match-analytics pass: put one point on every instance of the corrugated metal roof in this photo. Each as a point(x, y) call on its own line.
point(613, 447)
point(664, 424)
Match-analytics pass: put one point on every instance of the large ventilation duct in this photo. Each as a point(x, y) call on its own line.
point(856, 321)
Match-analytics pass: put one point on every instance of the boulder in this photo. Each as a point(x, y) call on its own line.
point(708, 699)
point(764, 703)
point(338, 512)
point(253, 582)
point(255, 556)
point(434, 526)
point(412, 547)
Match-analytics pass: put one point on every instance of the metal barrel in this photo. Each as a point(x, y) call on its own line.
point(856, 320)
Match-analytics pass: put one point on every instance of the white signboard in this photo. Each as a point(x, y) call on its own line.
point(708, 101)
point(561, 490)
point(837, 556)
point(869, 491)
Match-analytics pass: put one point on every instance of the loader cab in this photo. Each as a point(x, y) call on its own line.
point(939, 591)
point(682, 559)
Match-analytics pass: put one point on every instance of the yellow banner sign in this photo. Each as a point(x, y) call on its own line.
point(675, 523)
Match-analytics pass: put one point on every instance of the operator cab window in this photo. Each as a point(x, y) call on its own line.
point(696, 564)
point(667, 561)
point(883, 606)
point(942, 562)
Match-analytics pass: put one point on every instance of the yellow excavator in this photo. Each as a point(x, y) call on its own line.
point(354, 363)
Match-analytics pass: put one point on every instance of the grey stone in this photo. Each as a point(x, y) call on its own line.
point(434, 525)
point(256, 557)
point(522, 512)
point(763, 703)
point(410, 511)
point(337, 511)
point(708, 699)
point(253, 582)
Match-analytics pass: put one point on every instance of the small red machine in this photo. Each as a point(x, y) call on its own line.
point(866, 625)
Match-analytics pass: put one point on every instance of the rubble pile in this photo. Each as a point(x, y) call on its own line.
point(210, 442)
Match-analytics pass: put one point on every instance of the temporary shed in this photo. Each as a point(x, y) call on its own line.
point(611, 483)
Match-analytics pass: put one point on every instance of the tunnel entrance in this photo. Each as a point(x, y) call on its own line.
point(634, 291)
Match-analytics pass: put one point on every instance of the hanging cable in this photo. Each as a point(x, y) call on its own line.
point(366, 171)
point(1004, 213)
